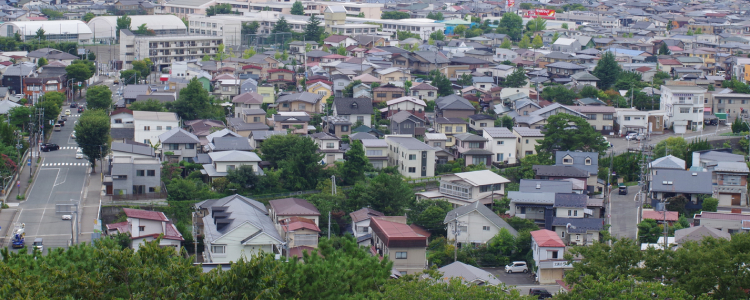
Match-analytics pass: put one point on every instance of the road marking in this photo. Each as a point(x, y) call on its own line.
point(47, 235)
point(51, 192)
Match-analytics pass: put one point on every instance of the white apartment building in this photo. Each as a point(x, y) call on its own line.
point(165, 49)
point(421, 27)
point(468, 188)
point(228, 27)
point(149, 125)
point(413, 158)
point(631, 119)
point(502, 143)
point(684, 106)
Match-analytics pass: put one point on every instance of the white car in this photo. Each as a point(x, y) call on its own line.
point(79, 153)
point(517, 266)
point(73, 135)
point(67, 217)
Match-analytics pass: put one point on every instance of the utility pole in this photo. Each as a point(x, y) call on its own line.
point(333, 192)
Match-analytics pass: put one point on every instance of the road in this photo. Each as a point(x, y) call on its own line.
point(61, 179)
point(623, 210)
point(620, 145)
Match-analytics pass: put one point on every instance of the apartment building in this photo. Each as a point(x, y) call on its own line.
point(600, 117)
point(376, 151)
point(228, 27)
point(149, 125)
point(165, 49)
point(684, 106)
point(413, 158)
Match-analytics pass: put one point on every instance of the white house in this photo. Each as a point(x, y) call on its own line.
point(222, 162)
point(361, 224)
point(236, 227)
point(502, 143)
point(547, 250)
point(413, 158)
point(684, 107)
point(358, 110)
point(376, 151)
point(468, 187)
point(330, 145)
point(631, 119)
point(146, 226)
point(476, 224)
point(121, 118)
point(149, 125)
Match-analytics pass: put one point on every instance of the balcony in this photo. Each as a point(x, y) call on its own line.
point(457, 190)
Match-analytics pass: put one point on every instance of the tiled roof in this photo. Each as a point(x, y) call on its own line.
point(672, 216)
point(499, 132)
point(559, 171)
point(293, 207)
point(145, 214)
point(364, 214)
point(525, 131)
point(547, 238)
point(397, 234)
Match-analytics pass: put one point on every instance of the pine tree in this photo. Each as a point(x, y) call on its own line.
point(297, 8)
point(537, 43)
point(313, 29)
point(607, 70)
point(281, 26)
point(516, 79)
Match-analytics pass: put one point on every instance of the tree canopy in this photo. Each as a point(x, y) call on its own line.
point(92, 134)
point(194, 103)
point(395, 15)
point(561, 135)
point(99, 97)
point(511, 24)
point(297, 8)
point(607, 70)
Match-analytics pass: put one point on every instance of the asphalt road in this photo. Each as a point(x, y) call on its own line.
point(620, 145)
point(623, 210)
point(61, 179)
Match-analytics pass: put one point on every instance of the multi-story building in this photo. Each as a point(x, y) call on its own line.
point(732, 104)
point(684, 106)
point(146, 226)
point(468, 187)
point(376, 151)
point(413, 158)
point(526, 140)
point(547, 251)
point(631, 119)
point(723, 221)
point(135, 175)
point(74, 31)
point(472, 148)
point(474, 224)
point(179, 145)
point(502, 144)
point(162, 50)
point(599, 117)
point(421, 27)
point(450, 127)
point(149, 125)
point(404, 246)
point(104, 28)
point(361, 224)
point(228, 27)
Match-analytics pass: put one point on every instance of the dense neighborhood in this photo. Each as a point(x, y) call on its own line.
point(371, 149)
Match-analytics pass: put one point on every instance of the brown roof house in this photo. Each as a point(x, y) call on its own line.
point(402, 244)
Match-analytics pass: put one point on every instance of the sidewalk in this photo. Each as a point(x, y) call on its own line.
point(21, 186)
point(89, 209)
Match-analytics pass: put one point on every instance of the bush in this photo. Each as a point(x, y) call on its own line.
point(710, 204)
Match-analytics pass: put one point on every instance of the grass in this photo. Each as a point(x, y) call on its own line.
point(631, 183)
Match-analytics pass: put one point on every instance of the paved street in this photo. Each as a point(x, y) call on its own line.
point(709, 132)
point(520, 281)
point(624, 214)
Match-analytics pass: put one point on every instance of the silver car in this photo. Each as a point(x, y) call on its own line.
point(517, 266)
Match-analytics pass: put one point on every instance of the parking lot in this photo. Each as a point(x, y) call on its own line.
point(520, 281)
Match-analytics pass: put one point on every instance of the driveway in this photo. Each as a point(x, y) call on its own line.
point(520, 281)
point(623, 212)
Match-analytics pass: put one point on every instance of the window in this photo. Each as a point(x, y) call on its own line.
point(301, 106)
point(486, 228)
point(412, 170)
point(322, 93)
point(459, 129)
point(412, 157)
point(527, 141)
point(118, 121)
point(591, 116)
point(146, 128)
point(221, 249)
point(684, 110)
point(190, 146)
point(627, 118)
point(344, 128)
point(575, 213)
point(696, 110)
point(230, 167)
point(396, 95)
point(329, 145)
point(361, 119)
point(552, 254)
point(400, 255)
point(483, 124)
point(141, 228)
point(501, 142)
point(285, 105)
point(588, 161)
point(567, 161)
point(363, 229)
point(607, 117)
point(169, 127)
point(381, 95)
point(563, 234)
point(140, 172)
point(374, 153)
point(474, 144)
point(570, 213)
point(151, 173)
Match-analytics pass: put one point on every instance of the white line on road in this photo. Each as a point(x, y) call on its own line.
point(47, 204)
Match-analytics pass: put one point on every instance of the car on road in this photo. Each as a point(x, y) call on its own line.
point(64, 117)
point(540, 293)
point(67, 112)
point(79, 153)
point(117, 81)
point(517, 266)
point(609, 145)
point(67, 217)
point(73, 135)
point(73, 105)
point(622, 190)
point(634, 137)
point(61, 122)
point(80, 109)
point(46, 147)
point(57, 127)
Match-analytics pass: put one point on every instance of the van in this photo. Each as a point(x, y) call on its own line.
point(57, 127)
point(38, 244)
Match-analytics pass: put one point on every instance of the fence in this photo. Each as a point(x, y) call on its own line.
point(145, 196)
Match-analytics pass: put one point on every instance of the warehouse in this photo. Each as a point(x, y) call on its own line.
point(60, 30)
point(105, 28)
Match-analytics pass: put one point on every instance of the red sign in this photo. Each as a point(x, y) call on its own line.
point(540, 13)
point(511, 3)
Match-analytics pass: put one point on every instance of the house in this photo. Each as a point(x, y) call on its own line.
point(236, 227)
point(479, 122)
point(424, 91)
point(587, 161)
point(121, 118)
point(453, 106)
point(684, 106)
point(149, 125)
point(723, 221)
point(330, 145)
point(730, 180)
point(405, 123)
point(146, 226)
point(698, 233)
point(564, 69)
point(559, 172)
point(204, 127)
point(583, 79)
point(412, 158)
point(178, 145)
point(547, 251)
point(670, 217)
point(229, 143)
point(296, 121)
point(467, 188)
point(450, 127)
point(406, 248)
point(665, 184)
point(468, 274)
point(436, 140)
point(338, 125)
point(411, 104)
point(387, 92)
point(376, 151)
point(361, 224)
point(474, 224)
point(247, 100)
point(300, 234)
point(301, 102)
point(321, 88)
point(357, 110)
point(281, 209)
point(527, 139)
point(340, 82)
point(393, 75)
point(132, 149)
point(631, 119)
point(536, 206)
point(471, 148)
point(130, 175)
point(222, 162)
point(566, 45)
point(502, 144)
point(257, 137)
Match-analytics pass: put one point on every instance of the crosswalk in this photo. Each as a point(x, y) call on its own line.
point(73, 116)
point(85, 164)
point(70, 148)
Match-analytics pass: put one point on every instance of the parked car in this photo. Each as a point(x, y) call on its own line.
point(540, 293)
point(57, 127)
point(64, 117)
point(631, 136)
point(67, 217)
point(46, 147)
point(67, 112)
point(73, 105)
point(517, 266)
point(79, 153)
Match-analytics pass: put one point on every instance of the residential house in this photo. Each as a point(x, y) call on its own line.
point(387, 92)
point(436, 140)
point(666, 184)
point(412, 158)
point(424, 92)
point(407, 103)
point(631, 119)
point(300, 234)
point(723, 221)
point(236, 227)
point(248, 100)
point(502, 144)
point(301, 102)
point(536, 206)
point(296, 121)
point(527, 139)
point(583, 79)
point(340, 82)
point(338, 125)
point(698, 234)
point(361, 224)
point(684, 106)
point(547, 251)
point(405, 123)
point(450, 127)
point(467, 188)
point(670, 217)
point(393, 75)
point(559, 172)
point(471, 148)
point(131, 175)
point(404, 246)
point(564, 69)
point(132, 149)
point(321, 88)
point(330, 146)
point(121, 118)
point(358, 110)
point(733, 104)
point(566, 45)
point(478, 122)
point(222, 162)
point(281, 209)
point(229, 143)
point(587, 161)
point(179, 145)
point(257, 137)
point(474, 224)
point(453, 106)
point(149, 125)
point(376, 151)
point(146, 226)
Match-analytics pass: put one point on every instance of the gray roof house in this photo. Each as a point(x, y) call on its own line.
point(468, 274)
point(228, 143)
point(453, 106)
point(545, 186)
point(667, 162)
point(178, 144)
point(477, 209)
point(669, 183)
point(588, 161)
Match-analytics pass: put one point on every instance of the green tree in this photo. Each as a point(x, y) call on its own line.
point(250, 27)
point(19, 116)
point(511, 24)
point(99, 97)
point(281, 26)
point(710, 204)
point(649, 231)
point(607, 70)
point(123, 22)
point(560, 94)
point(434, 287)
point(537, 42)
point(459, 30)
point(41, 34)
point(143, 67)
point(524, 43)
point(430, 215)
point(437, 35)
point(663, 50)
point(92, 134)
point(589, 92)
point(386, 193)
point(313, 29)
point(41, 62)
point(91, 56)
point(355, 165)
point(555, 36)
point(505, 121)
point(536, 24)
point(699, 30)
point(79, 71)
point(675, 146)
point(248, 53)
point(193, 103)
point(219, 9)
point(560, 135)
point(444, 85)
point(142, 29)
point(465, 80)
point(88, 16)
point(516, 79)
point(147, 105)
point(506, 44)
point(301, 169)
point(395, 15)
point(297, 8)
point(564, 25)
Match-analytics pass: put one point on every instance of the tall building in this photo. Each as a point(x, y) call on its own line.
point(165, 49)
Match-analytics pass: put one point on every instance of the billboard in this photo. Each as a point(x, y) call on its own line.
point(540, 13)
point(511, 3)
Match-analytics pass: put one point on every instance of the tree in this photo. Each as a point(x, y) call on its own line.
point(19, 116)
point(193, 103)
point(248, 53)
point(437, 35)
point(395, 15)
point(710, 204)
point(221, 54)
point(147, 105)
point(516, 79)
point(250, 27)
point(143, 67)
point(459, 30)
point(564, 26)
point(537, 42)
point(430, 215)
point(40, 34)
point(524, 43)
point(465, 80)
point(313, 29)
point(99, 97)
point(301, 169)
point(675, 146)
point(560, 94)
point(536, 24)
point(607, 70)
point(92, 134)
point(386, 193)
point(699, 30)
point(555, 37)
point(123, 22)
point(88, 16)
point(663, 49)
point(298, 9)
point(511, 24)
point(690, 32)
point(444, 85)
point(589, 91)
point(91, 56)
point(506, 44)
point(505, 121)
point(281, 26)
point(562, 136)
point(355, 165)
point(79, 71)
point(142, 29)
point(219, 9)
point(41, 62)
